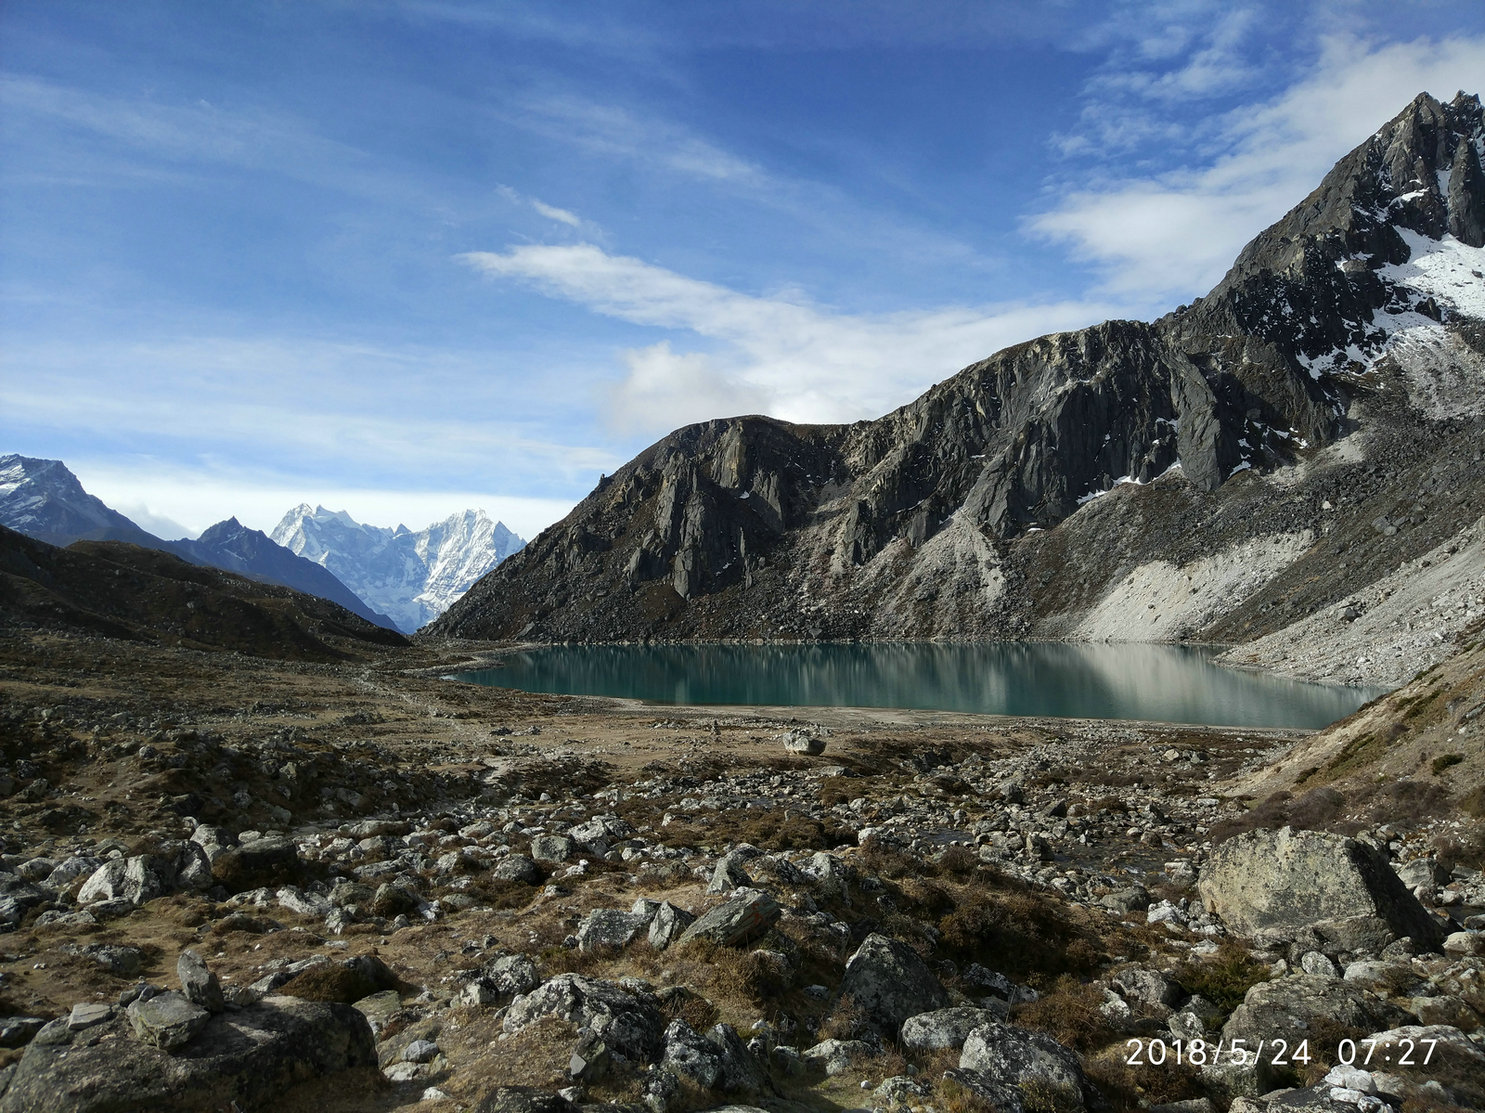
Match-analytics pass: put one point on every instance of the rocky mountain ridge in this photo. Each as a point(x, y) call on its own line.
point(1334, 370)
point(413, 576)
point(44, 500)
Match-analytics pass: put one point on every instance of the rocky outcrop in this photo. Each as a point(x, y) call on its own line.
point(1286, 881)
point(186, 1060)
point(920, 523)
point(888, 981)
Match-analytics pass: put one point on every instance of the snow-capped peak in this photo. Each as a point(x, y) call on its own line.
point(411, 576)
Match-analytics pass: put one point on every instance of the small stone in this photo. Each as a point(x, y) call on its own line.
point(88, 1014)
point(198, 983)
point(420, 1051)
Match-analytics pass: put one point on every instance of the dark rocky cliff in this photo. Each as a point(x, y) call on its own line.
point(938, 518)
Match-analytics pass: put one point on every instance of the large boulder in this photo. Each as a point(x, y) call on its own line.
point(889, 983)
point(945, 1028)
point(136, 880)
point(248, 1057)
point(1288, 1008)
point(609, 927)
point(1018, 1070)
point(1288, 880)
point(629, 1022)
point(268, 862)
point(738, 922)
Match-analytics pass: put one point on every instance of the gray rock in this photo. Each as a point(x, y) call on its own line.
point(250, 1057)
point(888, 982)
point(517, 867)
point(266, 862)
point(88, 1014)
point(668, 924)
point(1146, 986)
point(831, 875)
point(523, 1099)
point(135, 880)
point(1319, 964)
point(1287, 1007)
point(552, 850)
point(167, 1020)
point(836, 1056)
point(690, 1055)
point(420, 1051)
point(609, 927)
point(944, 1027)
point(629, 1022)
point(18, 1031)
point(741, 1072)
point(1290, 880)
point(737, 922)
point(590, 1059)
point(728, 875)
point(198, 983)
point(512, 974)
point(1013, 1064)
point(802, 742)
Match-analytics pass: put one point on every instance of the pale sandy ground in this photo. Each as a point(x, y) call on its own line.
point(1406, 622)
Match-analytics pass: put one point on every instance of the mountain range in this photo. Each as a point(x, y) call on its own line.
point(415, 575)
point(1230, 470)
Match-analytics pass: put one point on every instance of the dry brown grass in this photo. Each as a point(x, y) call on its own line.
point(1126, 1087)
point(1069, 1013)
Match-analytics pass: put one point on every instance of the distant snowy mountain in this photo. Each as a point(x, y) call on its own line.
point(414, 577)
point(234, 547)
point(44, 500)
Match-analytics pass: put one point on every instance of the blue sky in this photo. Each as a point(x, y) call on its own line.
point(407, 256)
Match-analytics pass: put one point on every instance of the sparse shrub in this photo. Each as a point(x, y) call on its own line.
point(1069, 1013)
point(689, 1006)
point(1464, 848)
point(1225, 977)
point(1020, 934)
point(847, 1021)
point(1038, 1096)
point(1407, 800)
point(1445, 761)
point(957, 861)
point(1128, 1088)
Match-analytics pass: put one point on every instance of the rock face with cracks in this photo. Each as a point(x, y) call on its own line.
point(247, 1057)
point(1288, 880)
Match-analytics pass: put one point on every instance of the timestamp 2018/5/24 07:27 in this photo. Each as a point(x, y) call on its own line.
point(1277, 1052)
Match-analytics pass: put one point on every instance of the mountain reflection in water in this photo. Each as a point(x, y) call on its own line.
point(1097, 681)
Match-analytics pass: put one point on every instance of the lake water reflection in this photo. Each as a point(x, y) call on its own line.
point(1097, 681)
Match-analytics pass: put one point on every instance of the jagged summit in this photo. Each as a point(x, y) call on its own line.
point(413, 576)
point(44, 500)
point(980, 509)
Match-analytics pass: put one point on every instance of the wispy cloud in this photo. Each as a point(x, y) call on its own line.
point(613, 130)
point(1174, 233)
point(383, 414)
point(779, 355)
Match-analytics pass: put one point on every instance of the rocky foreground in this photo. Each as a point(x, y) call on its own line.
point(231, 883)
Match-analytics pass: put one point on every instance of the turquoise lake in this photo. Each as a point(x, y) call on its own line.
point(1174, 684)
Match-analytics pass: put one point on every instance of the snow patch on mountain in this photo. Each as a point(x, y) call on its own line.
point(412, 576)
point(1442, 282)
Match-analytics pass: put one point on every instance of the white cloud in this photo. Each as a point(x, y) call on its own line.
point(1174, 234)
point(551, 212)
point(615, 131)
point(778, 355)
point(337, 409)
point(541, 208)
